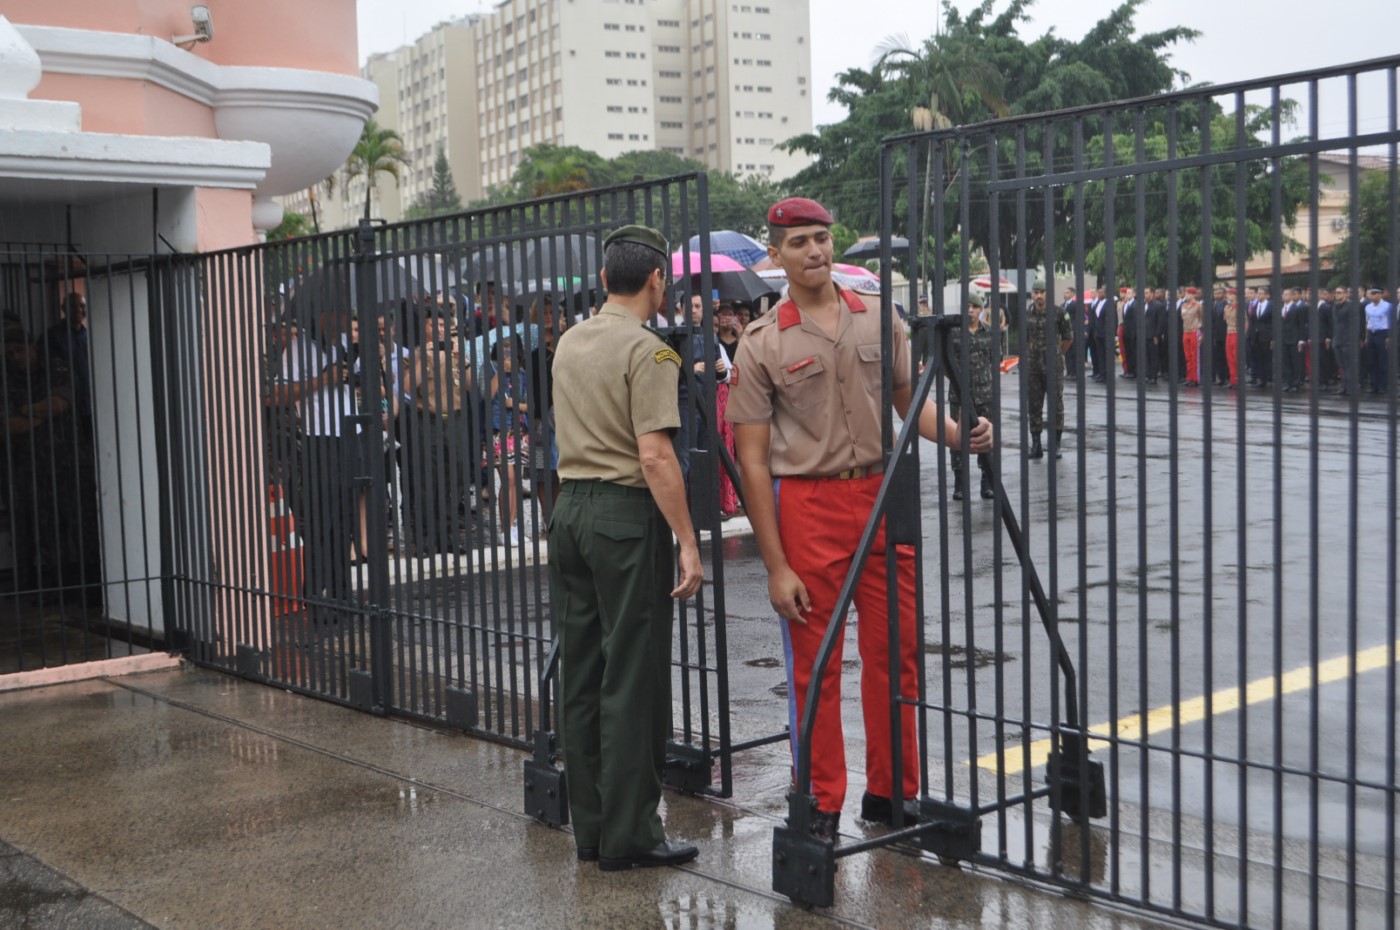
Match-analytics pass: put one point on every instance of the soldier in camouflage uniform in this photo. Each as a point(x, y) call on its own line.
point(1033, 363)
point(48, 459)
point(974, 358)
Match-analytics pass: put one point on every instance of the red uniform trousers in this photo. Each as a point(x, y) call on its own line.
point(820, 521)
point(1232, 345)
point(1191, 342)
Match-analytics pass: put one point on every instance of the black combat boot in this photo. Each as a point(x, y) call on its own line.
point(1059, 437)
point(987, 492)
point(1037, 451)
point(957, 486)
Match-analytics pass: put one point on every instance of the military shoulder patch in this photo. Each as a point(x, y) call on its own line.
point(667, 354)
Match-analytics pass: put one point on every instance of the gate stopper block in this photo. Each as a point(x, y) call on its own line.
point(687, 767)
point(546, 788)
point(956, 832)
point(804, 867)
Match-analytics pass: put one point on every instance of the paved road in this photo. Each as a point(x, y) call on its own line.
point(1195, 594)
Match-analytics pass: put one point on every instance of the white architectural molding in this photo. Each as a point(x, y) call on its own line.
point(146, 58)
point(154, 160)
point(310, 119)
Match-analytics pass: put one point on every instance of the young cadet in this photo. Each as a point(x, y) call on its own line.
point(807, 420)
point(610, 562)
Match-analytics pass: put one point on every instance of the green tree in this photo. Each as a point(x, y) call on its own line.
point(292, 226)
point(442, 197)
point(1375, 217)
point(1191, 260)
point(379, 151)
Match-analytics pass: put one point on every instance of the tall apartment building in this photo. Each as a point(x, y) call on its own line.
point(716, 81)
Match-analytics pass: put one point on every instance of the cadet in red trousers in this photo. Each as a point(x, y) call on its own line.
point(806, 410)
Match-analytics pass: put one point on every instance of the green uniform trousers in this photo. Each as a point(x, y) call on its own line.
point(610, 576)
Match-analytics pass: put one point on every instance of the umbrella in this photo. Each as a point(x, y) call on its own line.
point(869, 247)
point(854, 271)
point(731, 279)
point(391, 279)
point(984, 283)
point(745, 250)
point(534, 259)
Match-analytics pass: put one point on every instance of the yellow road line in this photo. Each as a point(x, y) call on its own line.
point(1194, 710)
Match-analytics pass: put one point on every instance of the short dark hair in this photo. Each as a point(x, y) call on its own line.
point(628, 265)
point(776, 235)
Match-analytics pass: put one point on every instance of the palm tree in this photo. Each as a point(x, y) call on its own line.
point(946, 72)
point(312, 193)
point(379, 150)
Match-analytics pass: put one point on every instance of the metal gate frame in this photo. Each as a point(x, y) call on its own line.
point(1042, 164)
point(464, 636)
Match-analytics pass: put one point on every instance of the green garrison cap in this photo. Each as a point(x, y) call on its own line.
point(975, 299)
point(642, 235)
point(1037, 283)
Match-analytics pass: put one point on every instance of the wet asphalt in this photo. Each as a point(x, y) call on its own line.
point(1187, 559)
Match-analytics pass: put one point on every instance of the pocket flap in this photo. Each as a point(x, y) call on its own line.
point(617, 529)
point(870, 352)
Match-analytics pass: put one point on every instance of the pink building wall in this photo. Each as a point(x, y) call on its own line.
point(318, 35)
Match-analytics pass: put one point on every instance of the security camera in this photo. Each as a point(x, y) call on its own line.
point(203, 27)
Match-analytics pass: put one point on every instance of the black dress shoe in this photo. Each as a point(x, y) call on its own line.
point(957, 489)
point(588, 854)
point(987, 492)
point(826, 825)
point(876, 809)
point(664, 853)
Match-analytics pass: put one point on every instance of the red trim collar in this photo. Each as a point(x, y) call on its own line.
point(790, 315)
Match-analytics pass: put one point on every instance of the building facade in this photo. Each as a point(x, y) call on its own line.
point(720, 82)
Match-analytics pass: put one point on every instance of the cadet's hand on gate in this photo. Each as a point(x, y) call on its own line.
point(691, 573)
point(982, 436)
point(788, 595)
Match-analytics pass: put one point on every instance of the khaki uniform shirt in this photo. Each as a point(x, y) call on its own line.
point(614, 380)
point(1190, 318)
point(821, 396)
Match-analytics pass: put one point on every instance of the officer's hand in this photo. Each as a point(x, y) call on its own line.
point(788, 595)
point(982, 436)
point(691, 573)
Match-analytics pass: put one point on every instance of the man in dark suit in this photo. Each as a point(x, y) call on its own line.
point(1262, 340)
point(1293, 332)
point(1251, 330)
point(1348, 328)
point(1154, 321)
point(1103, 317)
point(1324, 366)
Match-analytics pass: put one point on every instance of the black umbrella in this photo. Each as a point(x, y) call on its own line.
point(743, 285)
point(392, 279)
point(516, 264)
point(869, 248)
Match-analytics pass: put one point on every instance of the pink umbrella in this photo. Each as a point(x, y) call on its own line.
point(858, 271)
point(717, 263)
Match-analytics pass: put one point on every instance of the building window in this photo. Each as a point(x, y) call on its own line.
point(614, 109)
point(611, 27)
point(612, 54)
point(615, 82)
point(615, 135)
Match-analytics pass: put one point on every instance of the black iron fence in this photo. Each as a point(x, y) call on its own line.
point(366, 460)
point(1176, 688)
point(80, 496)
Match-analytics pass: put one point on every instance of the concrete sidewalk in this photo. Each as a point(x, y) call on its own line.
point(194, 799)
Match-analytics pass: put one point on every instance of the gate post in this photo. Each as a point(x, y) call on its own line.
point(371, 441)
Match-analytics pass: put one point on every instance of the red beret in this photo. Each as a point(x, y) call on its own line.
point(798, 211)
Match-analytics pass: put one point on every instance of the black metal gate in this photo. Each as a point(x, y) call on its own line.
point(1176, 687)
point(369, 461)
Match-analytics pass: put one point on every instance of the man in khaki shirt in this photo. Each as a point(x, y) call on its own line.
point(610, 558)
point(806, 409)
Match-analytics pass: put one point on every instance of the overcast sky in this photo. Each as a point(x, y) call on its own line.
point(1241, 39)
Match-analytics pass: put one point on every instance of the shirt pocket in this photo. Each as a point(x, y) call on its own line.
point(869, 355)
point(803, 384)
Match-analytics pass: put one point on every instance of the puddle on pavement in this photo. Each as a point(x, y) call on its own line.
point(961, 657)
point(765, 662)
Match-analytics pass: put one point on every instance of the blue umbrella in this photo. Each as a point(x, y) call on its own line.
point(746, 250)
